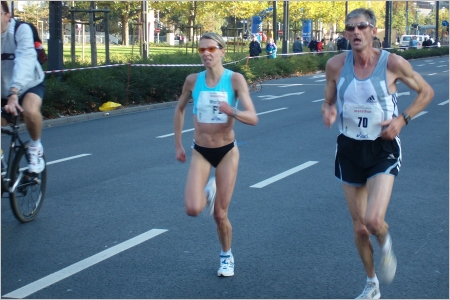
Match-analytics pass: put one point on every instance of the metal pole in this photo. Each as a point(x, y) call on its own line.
point(72, 36)
point(407, 29)
point(285, 46)
point(145, 29)
point(55, 43)
point(107, 37)
point(274, 21)
point(437, 22)
point(157, 18)
point(92, 38)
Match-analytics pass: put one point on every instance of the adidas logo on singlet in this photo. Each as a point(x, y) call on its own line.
point(371, 99)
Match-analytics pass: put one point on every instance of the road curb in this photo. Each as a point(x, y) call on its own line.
point(98, 115)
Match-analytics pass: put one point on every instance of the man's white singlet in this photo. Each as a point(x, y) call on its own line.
point(363, 104)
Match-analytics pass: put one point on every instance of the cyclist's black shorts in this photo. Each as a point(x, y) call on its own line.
point(38, 90)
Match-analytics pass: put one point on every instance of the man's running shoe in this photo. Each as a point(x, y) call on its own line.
point(210, 190)
point(371, 291)
point(226, 265)
point(36, 160)
point(388, 265)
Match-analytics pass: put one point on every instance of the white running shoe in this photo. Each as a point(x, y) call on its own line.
point(371, 291)
point(210, 190)
point(388, 265)
point(226, 266)
point(35, 156)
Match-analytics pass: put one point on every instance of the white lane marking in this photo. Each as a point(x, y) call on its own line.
point(293, 84)
point(56, 161)
point(420, 65)
point(269, 111)
point(284, 174)
point(432, 74)
point(261, 113)
point(443, 103)
point(81, 265)
point(66, 159)
point(271, 97)
point(318, 100)
point(287, 84)
point(445, 71)
point(170, 134)
point(419, 114)
point(319, 80)
point(441, 66)
point(317, 76)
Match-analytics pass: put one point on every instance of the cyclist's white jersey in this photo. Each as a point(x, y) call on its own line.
point(363, 104)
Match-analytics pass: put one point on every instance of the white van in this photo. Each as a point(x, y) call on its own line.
point(404, 40)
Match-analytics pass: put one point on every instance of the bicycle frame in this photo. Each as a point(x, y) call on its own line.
point(14, 133)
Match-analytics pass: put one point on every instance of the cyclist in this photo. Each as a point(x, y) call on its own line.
point(22, 83)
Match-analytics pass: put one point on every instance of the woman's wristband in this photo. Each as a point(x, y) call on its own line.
point(235, 112)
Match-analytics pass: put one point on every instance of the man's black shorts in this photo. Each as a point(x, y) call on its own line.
point(357, 161)
point(38, 90)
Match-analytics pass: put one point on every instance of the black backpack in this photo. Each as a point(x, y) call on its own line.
point(41, 55)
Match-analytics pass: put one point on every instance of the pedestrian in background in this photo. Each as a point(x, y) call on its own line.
point(313, 45)
point(255, 47)
point(331, 46)
point(297, 47)
point(376, 42)
point(271, 49)
point(385, 43)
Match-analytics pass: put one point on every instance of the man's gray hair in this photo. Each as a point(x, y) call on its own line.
point(367, 13)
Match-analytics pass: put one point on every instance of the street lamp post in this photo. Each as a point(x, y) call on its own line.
point(417, 23)
point(407, 29)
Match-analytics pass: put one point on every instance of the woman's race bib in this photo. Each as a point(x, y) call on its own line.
point(208, 107)
point(362, 122)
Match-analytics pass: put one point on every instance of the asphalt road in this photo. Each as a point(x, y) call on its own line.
point(113, 223)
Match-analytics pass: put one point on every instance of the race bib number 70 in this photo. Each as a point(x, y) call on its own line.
point(208, 107)
point(362, 122)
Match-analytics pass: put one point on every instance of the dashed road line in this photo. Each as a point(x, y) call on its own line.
point(283, 175)
point(81, 265)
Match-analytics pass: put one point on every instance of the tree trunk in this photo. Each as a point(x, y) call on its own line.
point(125, 30)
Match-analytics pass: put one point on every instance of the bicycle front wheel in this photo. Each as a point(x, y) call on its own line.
point(27, 190)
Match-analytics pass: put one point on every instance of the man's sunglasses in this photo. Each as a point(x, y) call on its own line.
point(360, 25)
point(209, 49)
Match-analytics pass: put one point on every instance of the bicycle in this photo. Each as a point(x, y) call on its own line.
point(254, 86)
point(26, 190)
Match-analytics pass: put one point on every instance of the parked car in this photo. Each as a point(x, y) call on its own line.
point(404, 40)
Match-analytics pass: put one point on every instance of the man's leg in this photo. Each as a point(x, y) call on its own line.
point(31, 105)
point(356, 198)
point(380, 189)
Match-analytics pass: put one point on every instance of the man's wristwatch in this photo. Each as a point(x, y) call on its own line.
point(12, 93)
point(406, 117)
